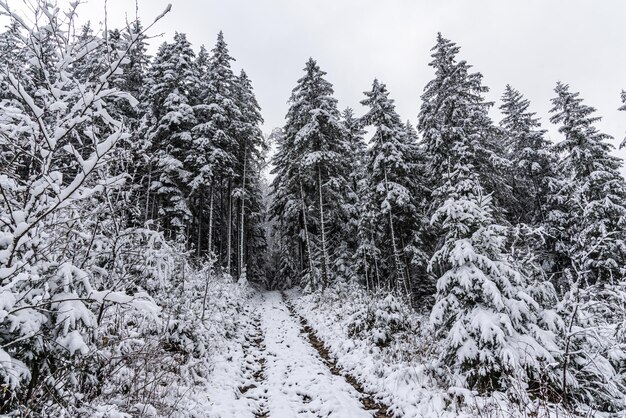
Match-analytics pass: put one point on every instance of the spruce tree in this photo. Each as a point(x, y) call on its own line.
point(588, 218)
point(349, 264)
point(214, 137)
point(311, 174)
point(391, 188)
point(485, 317)
point(531, 157)
point(453, 106)
point(250, 160)
point(171, 86)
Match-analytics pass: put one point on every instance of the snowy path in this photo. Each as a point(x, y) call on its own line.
point(289, 378)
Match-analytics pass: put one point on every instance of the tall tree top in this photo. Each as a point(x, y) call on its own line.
point(382, 110)
point(523, 128)
point(515, 110)
point(453, 110)
point(313, 88)
point(444, 55)
point(202, 61)
point(452, 103)
point(173, 71)
point(586, 149)
point(219, 54)
point(391, 148)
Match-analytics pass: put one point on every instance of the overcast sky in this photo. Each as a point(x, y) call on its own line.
point(529, 44)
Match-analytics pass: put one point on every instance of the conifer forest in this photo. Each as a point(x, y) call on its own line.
point(166, 253)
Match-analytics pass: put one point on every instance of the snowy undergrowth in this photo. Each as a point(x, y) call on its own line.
point(186, 361)
point(385, 345)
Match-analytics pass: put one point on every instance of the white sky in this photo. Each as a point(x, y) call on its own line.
point(530, 44)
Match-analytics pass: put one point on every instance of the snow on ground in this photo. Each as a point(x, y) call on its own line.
point(282, 375)
point(271, 369)
point(396, 373)
point(400, 383)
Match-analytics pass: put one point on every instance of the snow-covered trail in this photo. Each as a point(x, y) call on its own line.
point(294, 381)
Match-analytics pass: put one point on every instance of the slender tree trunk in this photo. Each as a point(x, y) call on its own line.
point(400, 282)
point(376, 271)
point(209, 273)
point(325, 263)
point(221, 217)
point(243, 207)
point(306, 232)
point(210, 241)
point(199, 240)
point(229, 226)
point(146, 217)
point(365, 268)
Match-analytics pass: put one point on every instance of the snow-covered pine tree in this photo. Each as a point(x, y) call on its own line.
point(355, 137)
point(453, 106)
point(487, 321)
point(251, 152)
point(392, 190)
point(134, 70)
point(135, 158)
point(348, 263)
point(11, 56)
point(311, 173)
point(587, 242)
point(171, 87)
point(288, 212)
point(532, 160)
point(588, 219)
point(423, 284)
point(215, 159)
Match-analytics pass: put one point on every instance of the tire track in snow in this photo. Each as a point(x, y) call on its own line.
point(297, 381)
point(253, 349)
point(367, 400)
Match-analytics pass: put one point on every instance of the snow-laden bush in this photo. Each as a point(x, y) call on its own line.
point(593, 365)
point(157, 366)
point(99, 315)
point(57, 140)
point(380, 319)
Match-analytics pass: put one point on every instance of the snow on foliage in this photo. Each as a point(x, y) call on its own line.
point(463, 269)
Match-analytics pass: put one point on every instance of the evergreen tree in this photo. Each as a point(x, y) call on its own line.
point(311, 175)
point(391, 189)
point(589, 204)
point(251, 157)
point(349, 263)
point(171, 86)
point(452, 107)
point(532, 161)
point(215, 160)
point(485, 316)
point(11, 56)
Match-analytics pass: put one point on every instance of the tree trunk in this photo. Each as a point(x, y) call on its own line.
point(241, 225)
point(376, 271)
point(210, 241)
point(146, 217)
point(306, 232)
point(365, 268)
point(400, 282)
point(199, 240)
point(229, 227)
point(325, 268)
